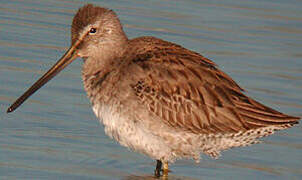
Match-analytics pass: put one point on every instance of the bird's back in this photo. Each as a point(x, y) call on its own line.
point(188, 91)
point(182, 101)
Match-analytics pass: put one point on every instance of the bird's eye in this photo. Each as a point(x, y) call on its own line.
point(92, 30)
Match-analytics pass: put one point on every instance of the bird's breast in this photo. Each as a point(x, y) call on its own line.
point(128, 132)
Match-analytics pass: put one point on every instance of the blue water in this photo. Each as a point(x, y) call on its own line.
point(55, 134)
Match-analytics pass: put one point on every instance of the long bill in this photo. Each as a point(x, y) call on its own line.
point(65, 60)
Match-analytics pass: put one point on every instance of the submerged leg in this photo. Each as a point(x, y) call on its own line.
point(158, 168)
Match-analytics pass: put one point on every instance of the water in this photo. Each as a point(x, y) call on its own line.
point(55, 134)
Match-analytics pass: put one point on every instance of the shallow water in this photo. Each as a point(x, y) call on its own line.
point(55, 134)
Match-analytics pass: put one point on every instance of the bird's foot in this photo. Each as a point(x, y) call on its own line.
point(165, 171)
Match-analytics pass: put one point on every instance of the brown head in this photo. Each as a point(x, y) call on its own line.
point(98, 30)
point(96, 33)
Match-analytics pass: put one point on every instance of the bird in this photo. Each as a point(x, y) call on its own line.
point(158, 98)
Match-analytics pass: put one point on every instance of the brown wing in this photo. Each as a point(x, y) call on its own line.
point(188, 91)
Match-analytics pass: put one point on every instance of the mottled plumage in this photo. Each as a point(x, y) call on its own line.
point(179, 98)
point(157, 97)
point(188, 91)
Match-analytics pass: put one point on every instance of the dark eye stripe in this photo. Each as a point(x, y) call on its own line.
point(92, 30)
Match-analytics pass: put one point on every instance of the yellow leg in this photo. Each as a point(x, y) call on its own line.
point(165, 169)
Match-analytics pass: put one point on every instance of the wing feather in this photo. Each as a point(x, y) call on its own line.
point(188, 91)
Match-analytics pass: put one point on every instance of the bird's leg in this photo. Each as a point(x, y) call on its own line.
point(158, 168)
point(165, 169)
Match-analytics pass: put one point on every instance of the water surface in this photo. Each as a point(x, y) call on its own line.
point(55, 134)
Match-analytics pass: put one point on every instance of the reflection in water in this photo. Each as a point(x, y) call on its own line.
point(148, 177)
point(137, 177)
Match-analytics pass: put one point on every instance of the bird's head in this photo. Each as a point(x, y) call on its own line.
point(95, 32)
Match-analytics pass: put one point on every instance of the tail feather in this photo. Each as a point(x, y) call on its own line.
point(220, 142)
point(259, 115)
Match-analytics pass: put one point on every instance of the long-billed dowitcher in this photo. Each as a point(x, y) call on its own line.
point(157, 97)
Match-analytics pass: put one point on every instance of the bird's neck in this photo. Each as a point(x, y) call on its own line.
point(98, 69)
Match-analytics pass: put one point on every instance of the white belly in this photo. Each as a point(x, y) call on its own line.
point(131, 133)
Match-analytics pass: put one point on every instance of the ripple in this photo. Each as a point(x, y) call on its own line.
point(56, 135)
